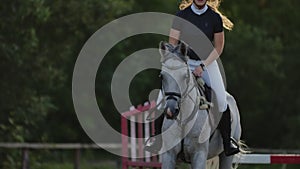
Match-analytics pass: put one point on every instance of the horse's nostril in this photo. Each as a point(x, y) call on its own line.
point(169, 112)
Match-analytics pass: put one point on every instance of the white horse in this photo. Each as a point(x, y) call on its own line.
point(189, 133)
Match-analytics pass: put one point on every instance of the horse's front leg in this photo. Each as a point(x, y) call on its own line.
point(199, 156)
point(169, 159)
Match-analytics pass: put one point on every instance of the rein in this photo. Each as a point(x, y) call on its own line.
point(187, 91)
point(196, 103)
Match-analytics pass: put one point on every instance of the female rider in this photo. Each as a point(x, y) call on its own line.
point(204, 14)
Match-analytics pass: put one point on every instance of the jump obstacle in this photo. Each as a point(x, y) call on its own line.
point(138, 129)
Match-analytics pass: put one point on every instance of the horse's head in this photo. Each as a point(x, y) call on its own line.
point(175, 76)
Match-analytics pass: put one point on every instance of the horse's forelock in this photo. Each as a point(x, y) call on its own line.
point(180, 51)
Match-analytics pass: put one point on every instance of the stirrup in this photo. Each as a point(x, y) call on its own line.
point(234, 142)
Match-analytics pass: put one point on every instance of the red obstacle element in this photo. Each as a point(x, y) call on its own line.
point(285, 159)
point(135, 120)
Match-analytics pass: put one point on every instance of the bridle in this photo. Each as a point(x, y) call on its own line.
point(180, 97)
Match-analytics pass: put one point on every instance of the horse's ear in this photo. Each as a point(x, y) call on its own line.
point(183, 48)
point(162, 48)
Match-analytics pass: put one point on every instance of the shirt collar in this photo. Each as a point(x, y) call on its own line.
point(198, 11)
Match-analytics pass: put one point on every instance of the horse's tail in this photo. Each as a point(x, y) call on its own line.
point(244, 149)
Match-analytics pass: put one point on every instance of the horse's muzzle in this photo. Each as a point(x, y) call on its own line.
point(171, 109)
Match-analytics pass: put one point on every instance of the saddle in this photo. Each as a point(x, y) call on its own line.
point(205, 94)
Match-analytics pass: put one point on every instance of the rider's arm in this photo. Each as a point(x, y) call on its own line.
point(218, 45)
point(174, 36)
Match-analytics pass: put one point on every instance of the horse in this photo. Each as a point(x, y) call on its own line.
point(188, 133)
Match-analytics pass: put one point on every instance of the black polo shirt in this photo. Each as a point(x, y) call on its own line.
point(209, 23)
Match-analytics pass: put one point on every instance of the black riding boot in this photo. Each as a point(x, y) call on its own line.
point(154, 143)
point(230, 145)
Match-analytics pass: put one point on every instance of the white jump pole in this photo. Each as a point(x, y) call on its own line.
point(133, 136)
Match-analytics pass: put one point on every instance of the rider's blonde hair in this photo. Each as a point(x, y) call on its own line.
point(214, 4)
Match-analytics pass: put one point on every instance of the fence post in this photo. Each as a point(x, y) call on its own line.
point(25, 158)
point(77, 158)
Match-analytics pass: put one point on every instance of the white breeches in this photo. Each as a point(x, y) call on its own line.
point(213, 78)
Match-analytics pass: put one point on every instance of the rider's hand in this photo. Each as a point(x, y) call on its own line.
point(198, 71)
